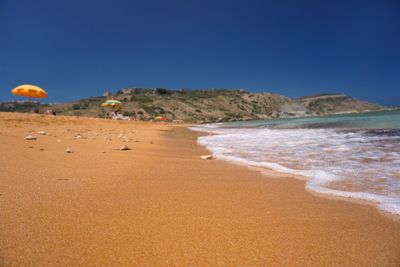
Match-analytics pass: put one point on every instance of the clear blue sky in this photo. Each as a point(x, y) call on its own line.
point(75, 49)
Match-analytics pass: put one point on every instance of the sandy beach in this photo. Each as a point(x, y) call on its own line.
point(159, 204)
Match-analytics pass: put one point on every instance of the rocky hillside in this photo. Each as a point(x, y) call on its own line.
point(334, 104)
point(207, 105)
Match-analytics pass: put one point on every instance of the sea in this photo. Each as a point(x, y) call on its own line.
point(354, 156)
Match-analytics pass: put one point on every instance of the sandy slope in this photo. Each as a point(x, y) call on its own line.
point(159, 204)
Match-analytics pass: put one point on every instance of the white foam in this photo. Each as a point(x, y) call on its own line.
point(324, 156)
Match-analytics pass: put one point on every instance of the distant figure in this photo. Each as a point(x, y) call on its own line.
point(118, 116)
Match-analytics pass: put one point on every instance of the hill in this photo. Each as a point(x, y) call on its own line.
point(210, 105)
point(335, 104)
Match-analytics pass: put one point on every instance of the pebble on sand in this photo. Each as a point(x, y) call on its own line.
point(69, 150)
point(206, 157)
point(124, 147)
point(31, 137)
point(42, 133)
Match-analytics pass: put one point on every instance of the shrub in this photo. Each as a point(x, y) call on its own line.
point(76, 106)
point(152, 110)
point(129, 113)
point(161, 91)
point(143, 99)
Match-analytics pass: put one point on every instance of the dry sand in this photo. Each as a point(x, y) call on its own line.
point(160, 205)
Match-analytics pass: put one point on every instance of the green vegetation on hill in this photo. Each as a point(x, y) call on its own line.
point(210, 105)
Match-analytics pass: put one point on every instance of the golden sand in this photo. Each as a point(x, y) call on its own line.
point(159, 204)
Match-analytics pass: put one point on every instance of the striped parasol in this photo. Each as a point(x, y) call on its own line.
point(112, 103)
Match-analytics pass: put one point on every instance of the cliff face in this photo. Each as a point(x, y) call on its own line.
point(212, 105)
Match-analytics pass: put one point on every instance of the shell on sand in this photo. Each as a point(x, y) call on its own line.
point(124, 147)
point(206, 157)
point(30, 137)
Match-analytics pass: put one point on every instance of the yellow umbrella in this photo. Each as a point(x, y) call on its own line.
point(112, 103)
point(30, 91)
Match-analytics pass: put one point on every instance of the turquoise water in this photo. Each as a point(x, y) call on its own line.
point(354, 155)
point(371, 120)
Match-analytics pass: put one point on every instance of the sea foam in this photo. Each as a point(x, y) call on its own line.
point(358, 164)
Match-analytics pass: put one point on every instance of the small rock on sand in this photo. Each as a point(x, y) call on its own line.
point(69, 150)
point(31, 137)
point(42, 132)
point(206, 157)
point(124, 147)
point(58, 140)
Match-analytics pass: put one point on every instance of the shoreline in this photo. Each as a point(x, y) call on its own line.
point(160, 204)
point(267, 171)
point(273, 174)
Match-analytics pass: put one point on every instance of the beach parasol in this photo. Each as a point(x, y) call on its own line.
point(29, 91)
point(112, 103)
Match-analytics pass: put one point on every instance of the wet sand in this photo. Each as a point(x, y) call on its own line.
point(159, 204)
